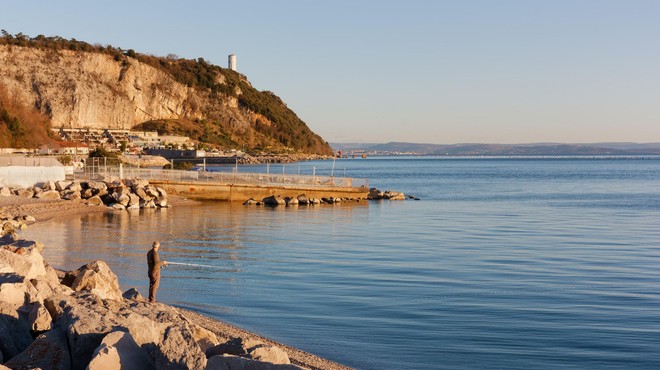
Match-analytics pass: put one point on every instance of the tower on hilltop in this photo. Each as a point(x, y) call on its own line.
point(232, 62)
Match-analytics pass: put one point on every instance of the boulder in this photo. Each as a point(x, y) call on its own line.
point(161, 193)
point(26, 193)
point(133, 200)
point(25, 262)
point(71, 195)
point(274, 200)
point(29, 220)
point(13, 293)
point(151, 191)
point(393, 195)
point(48, 351)
point(266, 353)
point(5, 192)
point(97, 278)
point(75, 186)
point(49, 194)
point(375, 194)
point(121, 198)
point(303, 199)
point(60, 185)
point(118, 350)
point(291, 201)
point(95, 201)
point(49, 185)
point(249, 348)
point(9, 227)
point(142, 194)
point(134, 295)
point(250, 202)
point(178, 347)
point(39, 318)
point(15, 335)
point(85, 321)
point(161, 202)
point(118, 207)
point(87, 193)
point(147, 204)
point(136, 183)
point(204, 338)
point(229, 362)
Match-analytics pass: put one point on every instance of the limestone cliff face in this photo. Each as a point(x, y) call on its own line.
point(95, 89)
point(92, 90)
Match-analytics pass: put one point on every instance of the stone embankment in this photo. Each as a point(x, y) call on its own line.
point(125, 194)
point(280, 158)
point(302, 199)
point(80, 319)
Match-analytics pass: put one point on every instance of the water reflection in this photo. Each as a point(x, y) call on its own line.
point(223, 235)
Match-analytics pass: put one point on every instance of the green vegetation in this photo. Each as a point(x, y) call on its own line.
point(186, 166)
point(280, 124)
point(101, 152)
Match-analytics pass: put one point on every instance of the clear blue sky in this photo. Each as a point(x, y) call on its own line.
point(419, 71)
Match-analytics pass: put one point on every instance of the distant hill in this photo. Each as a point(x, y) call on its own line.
point(402, 148)
point(74, 84)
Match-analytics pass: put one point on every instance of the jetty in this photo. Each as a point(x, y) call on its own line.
point(235, 186)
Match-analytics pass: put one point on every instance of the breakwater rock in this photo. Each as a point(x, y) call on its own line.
point(79, 320)
point(118, 194)
point(302, 199)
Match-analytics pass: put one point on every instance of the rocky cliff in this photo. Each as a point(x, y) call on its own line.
point(101, 88)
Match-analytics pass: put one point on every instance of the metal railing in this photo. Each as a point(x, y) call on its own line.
point(97, 170)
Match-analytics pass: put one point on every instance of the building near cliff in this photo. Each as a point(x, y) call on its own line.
point(22, 172)
point(64, 148)
point(232, 62)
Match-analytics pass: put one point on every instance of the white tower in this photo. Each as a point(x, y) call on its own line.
point(232, 62)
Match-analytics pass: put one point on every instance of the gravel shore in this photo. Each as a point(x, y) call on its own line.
point(43, 210)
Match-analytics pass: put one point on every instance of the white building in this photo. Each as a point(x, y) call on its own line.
point(232, 62)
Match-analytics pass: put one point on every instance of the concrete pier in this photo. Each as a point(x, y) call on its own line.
point(243, 192)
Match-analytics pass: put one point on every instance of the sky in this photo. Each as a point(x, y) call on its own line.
point(442, 72)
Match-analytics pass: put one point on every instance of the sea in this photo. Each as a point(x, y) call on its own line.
point(501, 263)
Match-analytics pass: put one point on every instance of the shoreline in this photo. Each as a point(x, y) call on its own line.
point(44, 210)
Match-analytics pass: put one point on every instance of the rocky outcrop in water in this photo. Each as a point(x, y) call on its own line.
point(80, 320)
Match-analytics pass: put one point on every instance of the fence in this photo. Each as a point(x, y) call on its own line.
point(99, 168)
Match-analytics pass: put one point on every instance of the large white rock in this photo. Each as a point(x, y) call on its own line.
point(13, 293)
point(204, 338)
point(118, 351)
point(29, 264)
point(270, 354)
point(229, 362)
point(5, 192)
point(97, 278)
point(49, 194)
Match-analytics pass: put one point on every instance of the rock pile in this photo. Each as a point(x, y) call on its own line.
point(375, 194)
point(302, 199)
point(117, 194)
point(80, 320)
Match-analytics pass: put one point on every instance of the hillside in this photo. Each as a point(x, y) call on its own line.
point(78, 85)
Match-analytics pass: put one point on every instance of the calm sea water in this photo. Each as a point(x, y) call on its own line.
point(503, 264)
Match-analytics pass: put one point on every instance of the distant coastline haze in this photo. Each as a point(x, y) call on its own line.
point(441, 72)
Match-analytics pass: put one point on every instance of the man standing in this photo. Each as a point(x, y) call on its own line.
point(155, 264)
